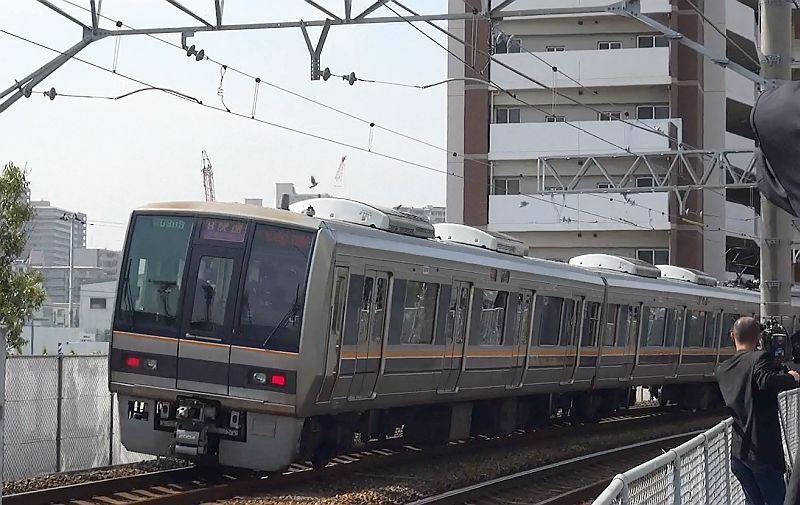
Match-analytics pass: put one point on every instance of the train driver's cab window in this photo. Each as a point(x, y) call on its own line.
point(654, 322)
point(419, 311)
point(591, 321)
point(493, 317)
point(152, 275)
point(274, 289)
point(547, 319)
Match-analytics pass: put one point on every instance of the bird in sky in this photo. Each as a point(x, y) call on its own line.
point(313, 183)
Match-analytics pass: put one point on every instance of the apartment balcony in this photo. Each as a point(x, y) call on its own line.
point(578, 212)
point(526, 141)
point(593, 68)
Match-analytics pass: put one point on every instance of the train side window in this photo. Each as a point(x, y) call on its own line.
point(674, 327)
point(654, 320)
point(591, 319)
point(611, 324)
point(547, 314)
point(627, 324)
point(727, 328)
point(493, 316)
point(419, 311)
point(695, 323)
point(712, 330)
point(366, 309)
point(568, 323)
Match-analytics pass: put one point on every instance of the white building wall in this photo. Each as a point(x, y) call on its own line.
point(97, 319)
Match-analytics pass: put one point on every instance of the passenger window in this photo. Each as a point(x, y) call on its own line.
point(379, 316)
point(493, 317)
point(366, 309)
point(727, 328)
point(211, 293)
point(568, 323)
point(611, 324)
point(591, 319)
point(654, 322)
point(695, 324)
point(419, 311)
point(712, 330)
point(547, 313)
point(627, 325)
point(674, 327)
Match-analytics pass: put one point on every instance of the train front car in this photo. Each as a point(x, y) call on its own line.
point(205, 350)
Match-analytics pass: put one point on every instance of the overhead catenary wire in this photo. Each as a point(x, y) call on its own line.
point(313, 135)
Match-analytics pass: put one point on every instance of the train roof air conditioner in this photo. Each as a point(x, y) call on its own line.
point(631, 266)
point(686, 275)
point(463, 234)
point(363, 214)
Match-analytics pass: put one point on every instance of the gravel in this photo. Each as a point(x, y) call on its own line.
point(404, 483)
point(95, 474)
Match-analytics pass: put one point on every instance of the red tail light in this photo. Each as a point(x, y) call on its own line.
point(278, 379)
point(133, 361)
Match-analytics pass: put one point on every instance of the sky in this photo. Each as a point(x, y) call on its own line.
point(106, 157)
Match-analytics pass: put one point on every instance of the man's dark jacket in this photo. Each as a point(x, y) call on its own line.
point(750, 382)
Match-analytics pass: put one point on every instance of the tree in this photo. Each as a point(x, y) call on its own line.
point(21, 292)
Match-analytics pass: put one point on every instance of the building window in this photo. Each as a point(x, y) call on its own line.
point(609, 45)
point(654, 256)
point(506, 186)
point(652, 112)
point(604, 185)
point(554, 49)
point(609, 116)
point(554, 119)
point(504, 44)
point(644, 41)
point(644, 182)
point(514, 46)
point(506, 115)
point(97, 303)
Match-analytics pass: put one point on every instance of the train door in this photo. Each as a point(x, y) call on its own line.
point(335, 332)
point(522, 331)
point(371, 328)
point(455, 336)
point(207, 318)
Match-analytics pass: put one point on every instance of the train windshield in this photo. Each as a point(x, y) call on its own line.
point(151, 282)
point(274, 288)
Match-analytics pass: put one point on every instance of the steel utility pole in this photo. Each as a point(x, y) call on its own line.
point(776, 227)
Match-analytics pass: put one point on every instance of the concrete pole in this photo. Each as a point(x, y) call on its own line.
point(71, 266)
point(776, 226)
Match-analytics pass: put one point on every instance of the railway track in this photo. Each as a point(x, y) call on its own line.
point(194, 485)
point(571, 482)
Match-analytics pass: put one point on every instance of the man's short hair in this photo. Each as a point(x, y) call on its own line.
point(746, 330)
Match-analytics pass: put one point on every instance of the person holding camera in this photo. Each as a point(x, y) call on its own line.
point(750, 382)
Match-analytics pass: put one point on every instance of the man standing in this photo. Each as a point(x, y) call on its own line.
point(750, 382)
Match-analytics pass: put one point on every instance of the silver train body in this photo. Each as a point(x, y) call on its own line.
point(393, 330)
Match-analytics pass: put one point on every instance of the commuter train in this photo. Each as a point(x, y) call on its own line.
point(254, 338)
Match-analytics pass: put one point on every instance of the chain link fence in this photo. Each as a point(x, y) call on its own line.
point(699, 471)
point(60, 416)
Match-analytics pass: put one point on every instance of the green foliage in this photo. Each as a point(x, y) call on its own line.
point(21, 293)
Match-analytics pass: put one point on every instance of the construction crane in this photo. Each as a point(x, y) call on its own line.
point(208, 178)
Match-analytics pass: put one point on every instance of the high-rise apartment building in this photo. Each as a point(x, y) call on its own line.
point(577, 100)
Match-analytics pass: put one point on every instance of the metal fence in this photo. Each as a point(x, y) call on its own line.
point(698, 471)
point(60, 416)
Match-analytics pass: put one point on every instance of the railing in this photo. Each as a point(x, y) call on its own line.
point(698, 471)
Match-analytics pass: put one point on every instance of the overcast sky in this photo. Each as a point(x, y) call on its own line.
point(105, 157)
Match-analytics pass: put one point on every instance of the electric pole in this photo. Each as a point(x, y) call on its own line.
point(776, 226)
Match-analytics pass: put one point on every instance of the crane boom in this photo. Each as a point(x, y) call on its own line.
point(208, 178)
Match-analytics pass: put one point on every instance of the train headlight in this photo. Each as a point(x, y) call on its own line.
point(258, 378)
